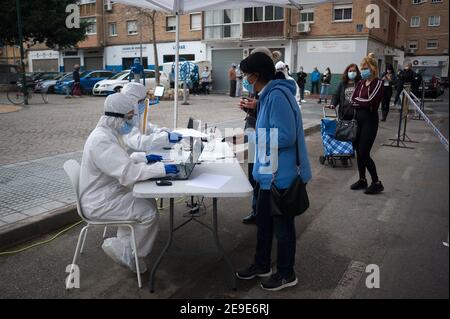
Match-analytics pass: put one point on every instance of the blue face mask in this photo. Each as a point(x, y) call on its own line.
point(366, 74)
point(128, 126)
point(249, 87)
point(352, 76)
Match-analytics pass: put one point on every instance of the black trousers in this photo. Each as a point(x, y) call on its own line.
point(232, 88)
point(255, 188)
point(314, 87)
point(284, 230)
point(386, 101)
point(367, 133)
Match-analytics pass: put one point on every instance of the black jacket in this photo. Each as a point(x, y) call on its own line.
point(301, 78)
point(346, 110)
point(326, 78)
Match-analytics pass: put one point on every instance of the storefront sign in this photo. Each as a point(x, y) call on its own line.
point(331, 46)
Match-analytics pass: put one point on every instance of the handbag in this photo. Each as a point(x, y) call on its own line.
point(346, 131)
point(293, 201)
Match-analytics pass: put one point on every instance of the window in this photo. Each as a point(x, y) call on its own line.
point(132, 27)
point(415, 22)
point(113, 29)
point(417, 1)
point(432, 44)
point(436, 1)
point(413, 45)
point(307, 16)
point(434, 21)
point(171, 24)
point(221, 24)
point(196, 21)
point(343, 13)
point(261, 14)
point(92, 27)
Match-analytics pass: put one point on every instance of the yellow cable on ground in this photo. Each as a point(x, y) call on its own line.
point(40, 243)
point(57, 235)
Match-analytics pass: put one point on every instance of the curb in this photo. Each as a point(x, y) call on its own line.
point(34, 227)
point(31, 228)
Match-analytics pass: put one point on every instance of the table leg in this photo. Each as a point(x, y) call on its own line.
point(219, 246)
point(166, 248)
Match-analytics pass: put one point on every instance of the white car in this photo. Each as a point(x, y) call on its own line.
point(117, 82)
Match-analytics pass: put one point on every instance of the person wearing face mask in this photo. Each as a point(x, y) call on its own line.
point(342, 99)
point(145, 136)
point(366, 99)
point(389, 80)
point(206, 80)
point(301, 81)
point(326, 80)
point(250, 106)
point(278, 110)
point(107, 176)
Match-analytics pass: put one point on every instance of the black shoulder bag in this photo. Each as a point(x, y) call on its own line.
point(346, 131)
point(293, 201)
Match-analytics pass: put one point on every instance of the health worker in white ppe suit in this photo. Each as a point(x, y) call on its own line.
point(145, 136)
point(107, 176)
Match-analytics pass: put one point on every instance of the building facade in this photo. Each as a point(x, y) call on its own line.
point(427, 36)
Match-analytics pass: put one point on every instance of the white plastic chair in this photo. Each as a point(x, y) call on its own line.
point(72, 168)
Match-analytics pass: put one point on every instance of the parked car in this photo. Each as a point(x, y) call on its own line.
point(88, 80)
point(9, 74)
point(48, 82)
point(117, 82)
point(433, 86)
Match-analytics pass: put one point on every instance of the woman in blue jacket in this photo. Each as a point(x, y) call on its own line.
point(278, 127)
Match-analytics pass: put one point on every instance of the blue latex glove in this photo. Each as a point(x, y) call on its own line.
point(175, 137)
point(154, 158)
point(171, 169)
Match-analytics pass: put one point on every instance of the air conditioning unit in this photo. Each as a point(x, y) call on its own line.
point(303, 27)
point(108, 5)
point(412, 51)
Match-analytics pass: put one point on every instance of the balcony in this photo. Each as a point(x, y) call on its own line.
point(263, 29)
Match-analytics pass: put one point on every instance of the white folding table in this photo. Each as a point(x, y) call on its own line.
point(237, 186)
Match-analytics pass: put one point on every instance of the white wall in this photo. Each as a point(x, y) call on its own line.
point(114, 54)
point(336, 54)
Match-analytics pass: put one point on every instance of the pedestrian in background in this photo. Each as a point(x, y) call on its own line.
point(206, 80)
point(301, 81)
point(325, 85)
point(389, 79)
point(366, 100)
point(239, 79)
point(232, 78)
point(315, 79)
point(405, 76)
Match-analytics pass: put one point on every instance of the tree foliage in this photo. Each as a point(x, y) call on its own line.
point(43, 21)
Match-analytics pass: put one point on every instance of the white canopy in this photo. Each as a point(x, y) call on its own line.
point(179, 7)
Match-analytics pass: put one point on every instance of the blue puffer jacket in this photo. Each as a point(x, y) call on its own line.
point(279, 110)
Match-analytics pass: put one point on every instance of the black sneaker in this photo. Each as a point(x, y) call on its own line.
point(361, 184)
point(276, 282)
point(374, 188)
point(252, 272)
point(250, 219)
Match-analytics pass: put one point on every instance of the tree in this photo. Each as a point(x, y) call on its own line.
point(151, 16)
point(43, 22)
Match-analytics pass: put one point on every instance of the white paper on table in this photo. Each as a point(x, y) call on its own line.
point(191, 133)
point(209, 181)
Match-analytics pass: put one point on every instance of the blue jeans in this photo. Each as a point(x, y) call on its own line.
point(324, 90)
point(284, 229)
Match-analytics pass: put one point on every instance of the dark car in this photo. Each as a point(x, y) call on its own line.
point(9, 74)
point(433, 86)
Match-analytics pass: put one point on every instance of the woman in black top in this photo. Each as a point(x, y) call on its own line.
point(343, 96)
point(388, 79)
point(326, 80)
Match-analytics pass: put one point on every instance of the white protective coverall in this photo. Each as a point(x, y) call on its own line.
point(106, 177)
point(145, 137)
point(281, 67)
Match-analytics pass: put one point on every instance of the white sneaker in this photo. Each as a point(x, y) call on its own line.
point(303, 101)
